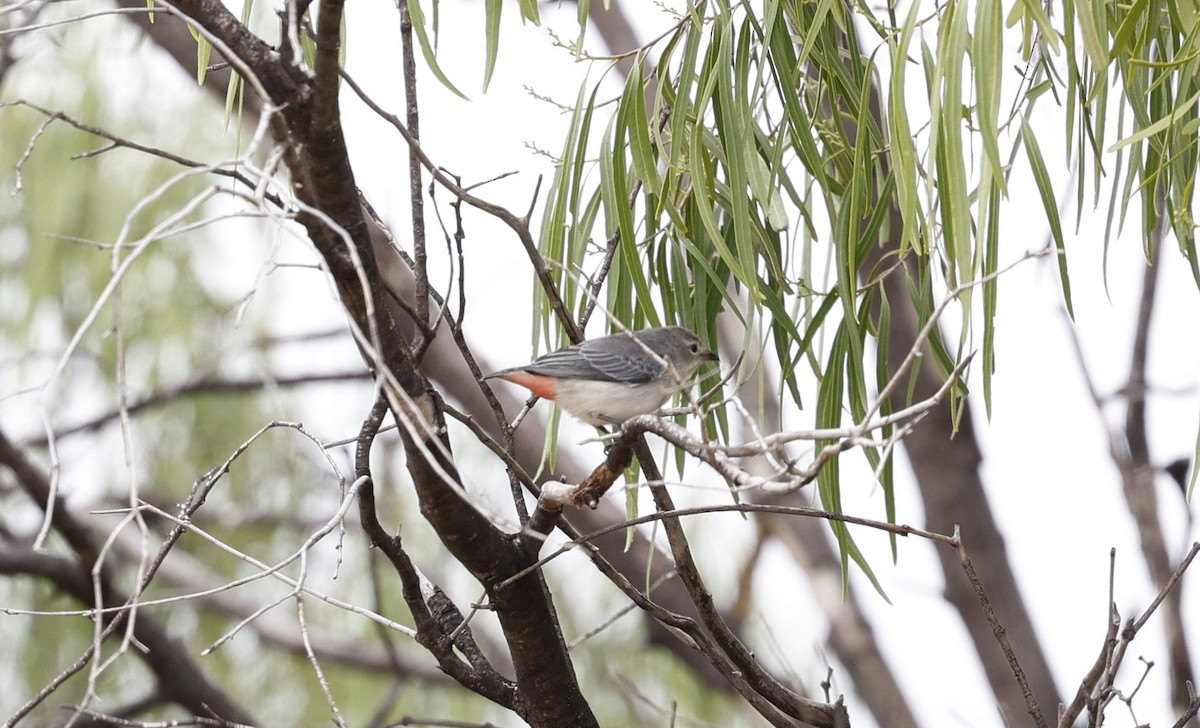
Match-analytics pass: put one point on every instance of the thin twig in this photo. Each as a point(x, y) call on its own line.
point(1000, 634)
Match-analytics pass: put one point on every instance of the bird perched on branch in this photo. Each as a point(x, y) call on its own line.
point(607, 380)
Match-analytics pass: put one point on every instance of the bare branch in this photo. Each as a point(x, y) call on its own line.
point(1001, 636)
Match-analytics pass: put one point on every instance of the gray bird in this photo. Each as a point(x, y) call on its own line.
point(607, 380)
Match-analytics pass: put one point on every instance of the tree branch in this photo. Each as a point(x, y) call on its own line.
point(179, 679)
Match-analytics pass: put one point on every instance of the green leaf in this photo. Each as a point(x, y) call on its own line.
point(564, 238)
point(902, 146)
point(946, 133)
point(765, 192)
point(1124, 36)
point(991, 256)
point(633, 107)
point(987, 60)
point(1033, 10)
point(417, 16)
point(733, 137)
point(492, 11)
point(618, 215)
point(813, 34)
point(1042, 177)
point(1180, 111)
point(529, 11)
point(1092, 45)
point(203, 54)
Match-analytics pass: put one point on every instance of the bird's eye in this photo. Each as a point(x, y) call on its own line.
point(695, 348)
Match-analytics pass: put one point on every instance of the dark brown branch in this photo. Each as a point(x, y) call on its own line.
point(416, 194)
point(326, 112)
point(435, 615)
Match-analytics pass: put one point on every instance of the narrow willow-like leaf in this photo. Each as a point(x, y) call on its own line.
point(883, 375)
point(814, 29)
point(1123, 39)
point(1164, 123)
point(682, 300)
point(1073, 83)
point(951, 167)
point(529, 11)
point(582, 226)
point(869, 235)
point(800, 127)
point(234, 99)
point(582, 8)
point(861, 193)
point(564, 197)
point(681, 108)
point(608, 192)
point(990, 225)
point(1095, 127)
point(702, 196)
point(1131, 177)
point(987, 61)
point(830, 396)
point(1091, 31)
point(733, 134)
point(690, 232)
point(654, 248)
point(765, 192)
point(631, 501)
point(901, 145)
point(829, 404)
point(550, 443)
point(921, 294)
point(633, 107)
point(1114, 205)
point(417, 16)
point(235, 92)
point(853, 241)
point(1033, 11)
point(621, 302)
point(491, 44)
point(613, 166)
point(1046, 190)
point(203, 54)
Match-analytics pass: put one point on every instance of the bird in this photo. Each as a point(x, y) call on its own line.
point(607, 380)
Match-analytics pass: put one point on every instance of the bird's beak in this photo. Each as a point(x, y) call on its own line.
point(707, 355)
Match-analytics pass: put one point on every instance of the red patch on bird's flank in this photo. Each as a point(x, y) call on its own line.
point(543, 386)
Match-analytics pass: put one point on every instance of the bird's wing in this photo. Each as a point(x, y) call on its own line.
point(610, 359)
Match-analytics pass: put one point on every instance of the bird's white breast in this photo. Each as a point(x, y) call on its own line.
point(606, 403)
